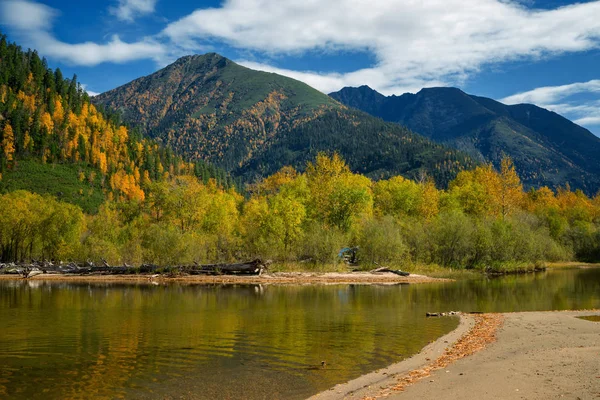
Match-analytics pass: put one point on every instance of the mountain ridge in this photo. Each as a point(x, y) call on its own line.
point(547, 148)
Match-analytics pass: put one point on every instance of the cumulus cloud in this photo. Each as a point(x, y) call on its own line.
point(560, 99)
point(413, 41)
point(127, 10)
point(33, 21)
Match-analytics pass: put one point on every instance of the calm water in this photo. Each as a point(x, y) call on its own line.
point(74, 341)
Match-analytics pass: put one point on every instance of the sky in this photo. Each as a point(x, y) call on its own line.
point(545, 52)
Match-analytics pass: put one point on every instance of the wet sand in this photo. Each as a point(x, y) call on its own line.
point(278, 278)
point(529, 355)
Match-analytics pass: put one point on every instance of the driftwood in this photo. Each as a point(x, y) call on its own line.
point(394, 271)
point(441, 314)
point(256, 267)
point(28, 270)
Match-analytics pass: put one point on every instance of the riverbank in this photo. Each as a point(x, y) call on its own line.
point(278, 278)
point(530, 355)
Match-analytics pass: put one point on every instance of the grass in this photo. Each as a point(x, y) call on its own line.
point(59, 180)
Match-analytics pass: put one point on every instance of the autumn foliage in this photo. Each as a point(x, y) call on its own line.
point(48, 118)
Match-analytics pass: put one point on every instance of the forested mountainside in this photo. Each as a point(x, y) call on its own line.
point(55, 141)
point(546, 148)
point(253, 123)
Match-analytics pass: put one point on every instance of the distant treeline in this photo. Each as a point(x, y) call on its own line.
point(483, 220)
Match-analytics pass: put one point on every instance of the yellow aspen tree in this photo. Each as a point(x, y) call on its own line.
point(47, 123)
point(27, 142)
point(511, 188)
point(8, 143)
point(59, 111)
point(429, 206)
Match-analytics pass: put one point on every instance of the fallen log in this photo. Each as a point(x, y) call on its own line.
point(393, 271)
point(256, 267)
point(441, 314)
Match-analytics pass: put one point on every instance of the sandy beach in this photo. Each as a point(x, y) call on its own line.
point(528, 355)
point(278, 278)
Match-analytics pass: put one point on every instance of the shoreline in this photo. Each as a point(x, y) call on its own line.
point(484, 357)
point(278, 278)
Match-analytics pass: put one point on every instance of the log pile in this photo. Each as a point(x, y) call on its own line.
point(33, 268)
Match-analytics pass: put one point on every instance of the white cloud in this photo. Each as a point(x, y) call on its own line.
point(27, 15)
point(560, 100)
point(89, 92)
point(329, 82)
point(551, 94)
point(413, 41)
point(33, 22)
point(589, 121)
point(126, 10)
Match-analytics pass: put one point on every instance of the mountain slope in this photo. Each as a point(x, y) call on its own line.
point(252, 123)
point(547, 149)
point(53, 141)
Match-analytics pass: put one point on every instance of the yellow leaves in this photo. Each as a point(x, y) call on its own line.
point(27, 142)
point(271, 184)
point(126, 184)
point(146, 178)
point(337, 195)
point(59, 112)
point(8, 143)
point(510, 196)
point(484, 191)
point(122, 135)
point(28, 101)
point(3, 93)
point(430, 203)
point(102, 163)
point(47, 123)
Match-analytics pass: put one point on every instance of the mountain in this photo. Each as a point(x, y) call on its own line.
point(547, 149)
point(253, 123)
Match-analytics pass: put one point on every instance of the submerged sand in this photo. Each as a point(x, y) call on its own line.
point(278, 278)
point(529, 355)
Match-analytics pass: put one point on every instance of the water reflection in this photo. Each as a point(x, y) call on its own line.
point(77, 340)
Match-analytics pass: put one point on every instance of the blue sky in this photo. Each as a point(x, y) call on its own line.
point(545, 52)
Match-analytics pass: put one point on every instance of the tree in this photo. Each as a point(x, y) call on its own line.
point(510, 194)
point(8, 144)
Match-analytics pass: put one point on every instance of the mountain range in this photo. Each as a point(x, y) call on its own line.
point(253, 123)
point(547, 149)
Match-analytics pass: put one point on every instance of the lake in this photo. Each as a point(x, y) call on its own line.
point(77, 340)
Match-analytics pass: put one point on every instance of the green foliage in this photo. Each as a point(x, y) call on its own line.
point(60, 180)
point(381, 241)
point(32, 226)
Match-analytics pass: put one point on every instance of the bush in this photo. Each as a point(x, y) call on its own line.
point(381, 241)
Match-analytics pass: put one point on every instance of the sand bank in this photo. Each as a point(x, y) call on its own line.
point(531, 355)
point(280, 278)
